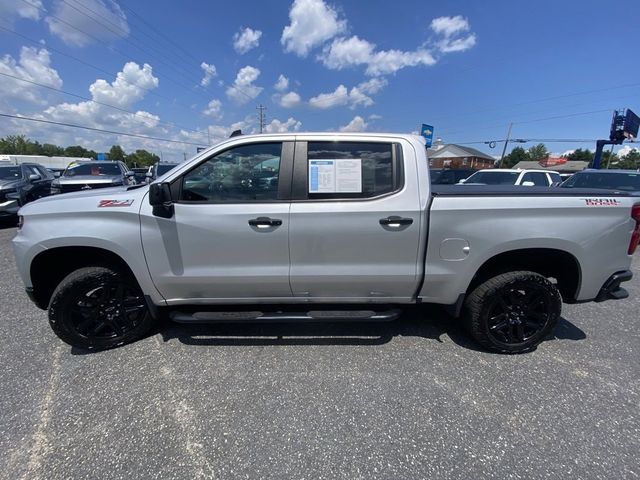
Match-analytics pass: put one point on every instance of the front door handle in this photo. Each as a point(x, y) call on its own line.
point(395, 222)
point(265, 222)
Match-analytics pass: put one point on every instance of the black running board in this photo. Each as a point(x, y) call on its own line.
point(274, 317)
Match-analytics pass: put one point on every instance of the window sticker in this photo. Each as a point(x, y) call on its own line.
point(339, 175)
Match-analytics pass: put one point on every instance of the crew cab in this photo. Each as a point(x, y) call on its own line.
point(505, 176)
point(320, 227)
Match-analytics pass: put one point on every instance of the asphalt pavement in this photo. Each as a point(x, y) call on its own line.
point(407, 400)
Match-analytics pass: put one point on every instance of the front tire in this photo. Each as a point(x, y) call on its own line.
point(96, 308)
point(513, 312)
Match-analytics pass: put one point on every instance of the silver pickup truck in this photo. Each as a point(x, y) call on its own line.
point(320, 227)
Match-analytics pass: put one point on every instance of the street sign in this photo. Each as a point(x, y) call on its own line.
point(427, 133)
point(631, 124)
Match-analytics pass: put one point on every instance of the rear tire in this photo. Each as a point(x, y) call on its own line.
point(96, 308)
point(513, 312)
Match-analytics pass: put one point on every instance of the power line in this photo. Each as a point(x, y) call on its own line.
point(100, 130)
point(97, 102)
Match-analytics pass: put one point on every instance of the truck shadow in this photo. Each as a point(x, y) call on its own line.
point(428, 322)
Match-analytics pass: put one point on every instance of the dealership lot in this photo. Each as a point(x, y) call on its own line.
point(410, 399)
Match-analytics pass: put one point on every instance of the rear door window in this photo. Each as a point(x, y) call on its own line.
point(344, 170)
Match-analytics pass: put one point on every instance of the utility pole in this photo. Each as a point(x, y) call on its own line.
point(506, 142)
point(261, 117)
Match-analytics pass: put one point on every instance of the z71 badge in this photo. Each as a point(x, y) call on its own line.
point(601, 202)
point(115, 203)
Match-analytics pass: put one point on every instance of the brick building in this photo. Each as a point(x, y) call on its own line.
point(458, 156)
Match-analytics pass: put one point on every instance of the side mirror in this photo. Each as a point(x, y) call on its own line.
point(34, 177)
point(57, 174)
point(462, 181)
point(129, 174)
point(148, 175)
point(160, 200)
point(528, 184)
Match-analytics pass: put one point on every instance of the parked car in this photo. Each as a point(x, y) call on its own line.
point(158, 169)
point(449, 176)
point(504, 176)
point(20, 184)
point(92, 175)
point(350, 227)
point(618, 180)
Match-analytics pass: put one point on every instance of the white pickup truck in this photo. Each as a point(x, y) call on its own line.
point(320, 227)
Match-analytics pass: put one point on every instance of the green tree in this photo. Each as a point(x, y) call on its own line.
point(580, 155)
point(609, 160)
point(116, 153)
point(630, 161)
point(518, 154)
point(52, 150)
point(78, 151)
point(142, 158)
point(539, 152)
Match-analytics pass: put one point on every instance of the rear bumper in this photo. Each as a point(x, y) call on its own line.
point(611, 290)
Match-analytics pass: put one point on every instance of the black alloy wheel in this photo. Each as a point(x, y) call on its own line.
point(98, 308)
point(513, 312)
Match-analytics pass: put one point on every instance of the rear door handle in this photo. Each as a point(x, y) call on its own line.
point(265, 222)
point(395, 222)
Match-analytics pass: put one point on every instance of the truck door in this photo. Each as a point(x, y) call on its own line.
point(229, 236)
point(355, 221)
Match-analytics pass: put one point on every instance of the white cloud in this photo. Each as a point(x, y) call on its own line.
point(101, 19)
point(449, 26)
point(452, 30)
point(356, 125)
point(312, 22)
point(209, 73)
point(357, 96)
point(374, 116)
point(626, 150)
point(130, 85)
point(449, 45)
point(276, 126)
point(33, 65)
point(246, 40)
point(289, 100)
point(282, 84)
point(214, 109)
point(243, 89)
point(10, 9)
point(568, 152)
point(348, 52)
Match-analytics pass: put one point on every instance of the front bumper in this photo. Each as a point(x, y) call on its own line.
point(611, 290)
point(9, 208)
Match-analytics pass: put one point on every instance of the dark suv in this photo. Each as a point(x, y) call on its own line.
point(20, 184)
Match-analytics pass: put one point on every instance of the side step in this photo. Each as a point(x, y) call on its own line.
point(274, 317)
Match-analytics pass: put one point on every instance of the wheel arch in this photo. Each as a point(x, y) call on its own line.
point(550, 262)
point(50, 266)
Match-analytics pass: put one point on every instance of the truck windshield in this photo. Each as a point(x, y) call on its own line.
point(494, 178)
point(10, 173)
point(608, 181)
point(165, 167)
point(92, 169)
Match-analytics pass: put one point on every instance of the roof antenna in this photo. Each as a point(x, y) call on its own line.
point(235, 133)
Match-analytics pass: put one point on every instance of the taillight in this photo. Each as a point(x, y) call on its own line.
point(635, 236)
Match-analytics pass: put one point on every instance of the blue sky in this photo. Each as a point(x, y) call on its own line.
point(192, 71)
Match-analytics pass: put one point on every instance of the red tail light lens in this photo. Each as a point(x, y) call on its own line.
point(635, 236)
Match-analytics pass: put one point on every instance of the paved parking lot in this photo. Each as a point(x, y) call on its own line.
point(413, 399)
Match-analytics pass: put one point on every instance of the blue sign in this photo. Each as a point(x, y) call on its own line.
point(101, 156)
point(427, 133)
